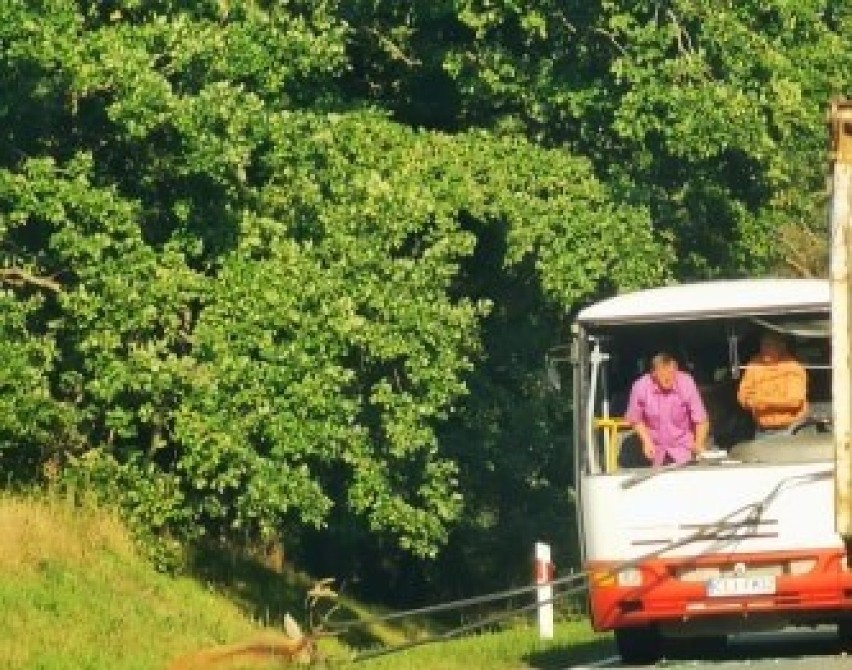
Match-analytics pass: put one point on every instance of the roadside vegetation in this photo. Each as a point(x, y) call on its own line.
point(286, 274)
point(514, 649)
point(75, 595)
point(291, 270)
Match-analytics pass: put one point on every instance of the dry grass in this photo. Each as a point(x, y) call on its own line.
point(39, 530)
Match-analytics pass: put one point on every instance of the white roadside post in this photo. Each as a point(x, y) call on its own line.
point(840, 124)
point(544, 592)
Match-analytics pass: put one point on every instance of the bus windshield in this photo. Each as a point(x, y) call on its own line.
point(715, 352)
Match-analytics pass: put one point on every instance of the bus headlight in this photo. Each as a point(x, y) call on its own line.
point(629, 577)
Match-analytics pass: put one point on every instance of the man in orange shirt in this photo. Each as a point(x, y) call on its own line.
point(774, 387)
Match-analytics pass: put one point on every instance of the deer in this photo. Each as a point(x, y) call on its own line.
point(293, 647)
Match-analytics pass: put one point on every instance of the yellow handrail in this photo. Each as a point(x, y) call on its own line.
point(611, 425)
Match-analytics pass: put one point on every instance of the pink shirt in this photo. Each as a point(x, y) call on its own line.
point(670, 416)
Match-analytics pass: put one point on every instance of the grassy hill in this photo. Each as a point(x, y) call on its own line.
point(74, 594)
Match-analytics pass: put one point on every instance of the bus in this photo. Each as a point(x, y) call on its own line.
point(741, 539)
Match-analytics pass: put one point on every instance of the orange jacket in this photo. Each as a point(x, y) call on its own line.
point(774, 392)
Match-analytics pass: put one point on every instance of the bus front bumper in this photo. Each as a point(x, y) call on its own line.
point(790, 585)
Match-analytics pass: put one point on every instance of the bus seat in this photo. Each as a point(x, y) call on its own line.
point(630, 455)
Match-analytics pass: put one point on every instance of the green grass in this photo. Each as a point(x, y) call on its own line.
point(74, 594)
point(573, 642)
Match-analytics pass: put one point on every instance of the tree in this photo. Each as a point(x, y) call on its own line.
point(710, 114)
point(241, 295)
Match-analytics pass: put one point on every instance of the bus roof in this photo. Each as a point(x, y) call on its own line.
point(737, 297)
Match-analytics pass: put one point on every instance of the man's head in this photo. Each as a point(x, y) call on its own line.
point(664, 370)
point(772, 346)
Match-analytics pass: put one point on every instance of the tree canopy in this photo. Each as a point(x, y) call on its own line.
point(269, 266)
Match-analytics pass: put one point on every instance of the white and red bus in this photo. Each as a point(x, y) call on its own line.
point(741, 540)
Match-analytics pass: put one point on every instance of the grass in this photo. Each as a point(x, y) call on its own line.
point(574, 642)
point(74, 594)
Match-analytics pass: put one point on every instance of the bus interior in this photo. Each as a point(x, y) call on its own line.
point(714, 352)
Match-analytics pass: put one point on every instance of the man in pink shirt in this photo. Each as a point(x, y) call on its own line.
point(667, 413)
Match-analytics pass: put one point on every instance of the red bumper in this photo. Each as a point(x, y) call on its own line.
point(675, 590)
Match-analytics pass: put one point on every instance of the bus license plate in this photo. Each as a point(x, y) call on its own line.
point(721, 587)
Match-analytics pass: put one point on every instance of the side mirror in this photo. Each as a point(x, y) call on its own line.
point(559, 354)
point(551, 371)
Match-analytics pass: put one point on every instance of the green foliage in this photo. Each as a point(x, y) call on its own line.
point(33, 424)
point(233, 307)
point(295, 265)
point(736, 95)
point(709, 114)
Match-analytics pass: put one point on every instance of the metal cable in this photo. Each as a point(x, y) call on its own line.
point(460, 630)
point(454, 604)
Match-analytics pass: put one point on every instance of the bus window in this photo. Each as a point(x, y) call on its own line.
point(713, 352)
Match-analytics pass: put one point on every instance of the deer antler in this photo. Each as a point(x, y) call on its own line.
point(321, 591)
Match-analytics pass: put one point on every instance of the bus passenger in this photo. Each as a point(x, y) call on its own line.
point(666, 411)
point(774, 387)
